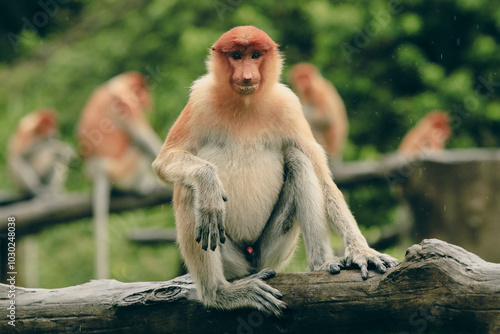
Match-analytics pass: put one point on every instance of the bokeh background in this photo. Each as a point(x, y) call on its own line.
point(391, 61)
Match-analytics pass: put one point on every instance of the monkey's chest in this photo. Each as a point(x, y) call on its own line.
point(252, 177)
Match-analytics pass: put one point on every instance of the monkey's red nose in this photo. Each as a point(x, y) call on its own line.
point(249, 250)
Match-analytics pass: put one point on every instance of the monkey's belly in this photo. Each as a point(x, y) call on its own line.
point(252, 178)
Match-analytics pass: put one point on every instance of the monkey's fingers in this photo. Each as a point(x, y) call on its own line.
point(198, 234)
point(364, 271)
point(204, 238)
point(389, 261)
point(222, 230)
point(270, 298)
point(378, 263)
point(334, 268)
point(347, 262)
point(214, 231)
point(271, 304)
point(264, 274)
point(203, 230)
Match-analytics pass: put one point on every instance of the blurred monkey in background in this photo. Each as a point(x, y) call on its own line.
point(37, 159)
point(323, 108)
point(428, 136)
point(115, 136)
point(38, 167)
point(118, 145)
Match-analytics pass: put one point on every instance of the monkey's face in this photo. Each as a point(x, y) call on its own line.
point(245, 70)
point(302, 82)
point(140, 95)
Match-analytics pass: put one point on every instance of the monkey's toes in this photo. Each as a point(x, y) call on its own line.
point(264, 274)
point(334, 269)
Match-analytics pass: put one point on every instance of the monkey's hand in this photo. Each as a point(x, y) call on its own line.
point(362, 256)
point(251, 292)
point(210, 210)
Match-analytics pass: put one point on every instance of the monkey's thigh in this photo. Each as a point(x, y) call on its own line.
point(277, 245)
point(234, 261)
point(274, 250)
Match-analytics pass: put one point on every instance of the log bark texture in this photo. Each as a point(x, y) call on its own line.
point(438, 288)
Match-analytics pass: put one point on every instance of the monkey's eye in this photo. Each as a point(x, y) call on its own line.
point(236, 56)
point(255, 55)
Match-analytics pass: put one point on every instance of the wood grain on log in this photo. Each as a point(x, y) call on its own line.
point(438, 288)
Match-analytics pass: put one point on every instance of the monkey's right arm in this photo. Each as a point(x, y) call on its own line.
point(176, 164)
point(180, 166)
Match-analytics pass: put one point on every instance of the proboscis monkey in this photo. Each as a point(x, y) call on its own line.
point(118, 145)
point(248, 177)
point(429, 135)
point(115, 135)
point(323, 108)
point(37, 159)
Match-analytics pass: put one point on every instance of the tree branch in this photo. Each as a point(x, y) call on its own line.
point(39, 213)
point(36, 214)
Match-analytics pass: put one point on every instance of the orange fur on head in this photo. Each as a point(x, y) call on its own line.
point(244, 39)
point(303, 76)
point(131, 87)
point(430, 134)
point(33, 127)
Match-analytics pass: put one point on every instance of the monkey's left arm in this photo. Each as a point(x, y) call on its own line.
point(357, 250)
point(339, 215)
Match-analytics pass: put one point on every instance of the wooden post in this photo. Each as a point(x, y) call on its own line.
point(455, 197)
point(100, 206)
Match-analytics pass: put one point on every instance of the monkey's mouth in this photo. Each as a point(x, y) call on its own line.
point(247, 89)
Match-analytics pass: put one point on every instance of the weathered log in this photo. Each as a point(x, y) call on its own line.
point(9, 197)
point(438, 288)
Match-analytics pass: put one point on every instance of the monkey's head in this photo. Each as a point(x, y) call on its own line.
point(246, 59)
point(132, 88)
point(34, 127)
point(302, 76)
point(40, 123)
point(439, 120)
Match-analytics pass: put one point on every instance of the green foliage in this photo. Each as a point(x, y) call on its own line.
point(392, 62)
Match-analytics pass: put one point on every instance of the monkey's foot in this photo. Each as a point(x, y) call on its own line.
point(332, 266)
point(251, 292)
point(364, 256)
